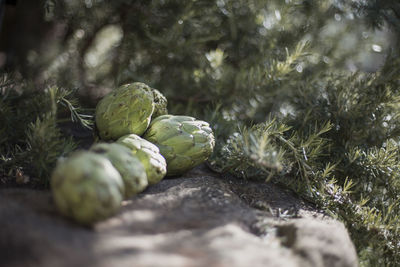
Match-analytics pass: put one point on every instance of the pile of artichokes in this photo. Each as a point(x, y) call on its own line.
point(139, 145)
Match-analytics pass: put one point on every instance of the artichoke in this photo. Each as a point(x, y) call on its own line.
point(86, 187)
point(126, 110)
point(148, 154)
point(184, 141)
point(160, 104)
point(128, 165)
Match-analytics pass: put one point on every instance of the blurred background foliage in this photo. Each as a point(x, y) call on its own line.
point(205, 44)
point(304, 93)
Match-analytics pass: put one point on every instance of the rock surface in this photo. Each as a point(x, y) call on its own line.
point(200, 219)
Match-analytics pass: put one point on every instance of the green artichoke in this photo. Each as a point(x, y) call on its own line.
point(160, 104)
point(128, 165)
point(184, 141)
point(148, 154)
point(125, 110)
point(86, 187)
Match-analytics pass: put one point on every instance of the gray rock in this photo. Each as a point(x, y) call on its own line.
point(319, 243)
point(201, 219)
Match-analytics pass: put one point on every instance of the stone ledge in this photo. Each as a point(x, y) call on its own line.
point(200, 219)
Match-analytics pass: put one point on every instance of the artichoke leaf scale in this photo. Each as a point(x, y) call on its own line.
point(86, 187)
point(127, 110)
point(148, 154)
point(129, 166)
point(184, 141)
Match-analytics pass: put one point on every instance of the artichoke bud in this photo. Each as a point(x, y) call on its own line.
point(128, 165)
point(184, 141)
point(127, 109)
point(86, 187)
point(160, 104)
point(149, 154)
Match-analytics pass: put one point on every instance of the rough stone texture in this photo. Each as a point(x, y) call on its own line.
point(318, 243)
point(200, 219)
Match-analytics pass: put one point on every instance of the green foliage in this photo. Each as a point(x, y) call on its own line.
point(30, 132)
point(45, 145)
point(271, 148)
point(335, 143)
point(380, 12)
